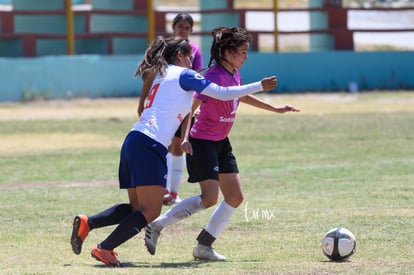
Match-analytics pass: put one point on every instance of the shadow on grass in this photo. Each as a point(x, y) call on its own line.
point(189, 264)
point(336, 262)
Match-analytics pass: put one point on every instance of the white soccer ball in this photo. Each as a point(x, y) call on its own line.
point(338, 244)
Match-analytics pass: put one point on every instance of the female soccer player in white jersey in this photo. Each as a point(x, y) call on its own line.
point(212, 162)
point(142, 168)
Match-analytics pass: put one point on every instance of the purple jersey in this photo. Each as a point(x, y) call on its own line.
point(216, 117)
point(197, 63)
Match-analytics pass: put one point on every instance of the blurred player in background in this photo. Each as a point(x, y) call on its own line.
point(182, 26)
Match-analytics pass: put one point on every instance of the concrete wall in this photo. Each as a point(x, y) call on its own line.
point(107, 76)
point(68, 76)
point(334, 70)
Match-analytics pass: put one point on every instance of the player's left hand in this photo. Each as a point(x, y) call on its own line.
point(187, 148)
point(289, 108)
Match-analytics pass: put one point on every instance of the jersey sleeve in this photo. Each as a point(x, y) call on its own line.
point(190, 80)
point(232, 92)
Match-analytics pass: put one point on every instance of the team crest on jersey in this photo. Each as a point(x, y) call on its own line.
point(198, 76)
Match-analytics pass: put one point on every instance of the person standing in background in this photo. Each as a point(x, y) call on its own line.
point(182, 26)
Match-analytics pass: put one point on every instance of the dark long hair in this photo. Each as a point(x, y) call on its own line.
point(225, 38)
point(161, 52)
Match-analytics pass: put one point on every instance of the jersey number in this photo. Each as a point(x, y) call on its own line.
point(151, 96)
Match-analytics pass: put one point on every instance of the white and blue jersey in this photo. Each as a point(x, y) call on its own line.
point(170, 98)
point(168, 102)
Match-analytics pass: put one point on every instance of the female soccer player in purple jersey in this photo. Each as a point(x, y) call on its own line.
point(142, 168)
point(212, 162)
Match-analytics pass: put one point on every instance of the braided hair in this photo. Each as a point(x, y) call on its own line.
point(161, 52)
point(225, 38)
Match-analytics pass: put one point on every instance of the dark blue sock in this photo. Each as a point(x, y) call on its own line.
point(127, 229)
point(110, 216)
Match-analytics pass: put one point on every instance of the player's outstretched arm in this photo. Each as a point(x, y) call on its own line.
point(231, 92)
point(261, 104)
point(193, 81)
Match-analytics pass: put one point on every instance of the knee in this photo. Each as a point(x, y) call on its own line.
point(235, 201)
point(209, 201)
point(240, 199)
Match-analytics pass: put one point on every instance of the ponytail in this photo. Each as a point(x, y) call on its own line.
point(160, 53)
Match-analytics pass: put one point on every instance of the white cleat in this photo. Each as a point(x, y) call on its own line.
point(207, 253)
point(151, 238)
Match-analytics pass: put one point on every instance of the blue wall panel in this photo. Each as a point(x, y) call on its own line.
point(104, 76)
point(38, 5)
point(67, 76)
point(113, 4)
point(11, 47)
point(118, 23)
point(333, 70)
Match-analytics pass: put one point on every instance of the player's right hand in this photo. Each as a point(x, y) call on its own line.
point(269, 83)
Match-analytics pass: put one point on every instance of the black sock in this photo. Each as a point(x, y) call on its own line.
point(128, 228)
point(110, 216)
point(205, 238)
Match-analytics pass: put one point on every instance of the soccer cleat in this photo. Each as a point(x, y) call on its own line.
point(79, 233)
point(151, 238)
point(202, 252)
point(108, 257)
point(167, 197)
point(171, 198)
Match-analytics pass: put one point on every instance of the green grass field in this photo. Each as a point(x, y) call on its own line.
point(345, 160)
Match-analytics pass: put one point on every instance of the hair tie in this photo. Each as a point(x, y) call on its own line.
point(218, 37)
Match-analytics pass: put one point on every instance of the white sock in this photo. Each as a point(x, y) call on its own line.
point(175, 172)
point(180, 211)
point(169, 164)
point(220, 218)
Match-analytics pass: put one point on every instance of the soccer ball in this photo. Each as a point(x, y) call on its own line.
point(338, 244)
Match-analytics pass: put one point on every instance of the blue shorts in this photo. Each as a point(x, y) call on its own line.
point(142, 162)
